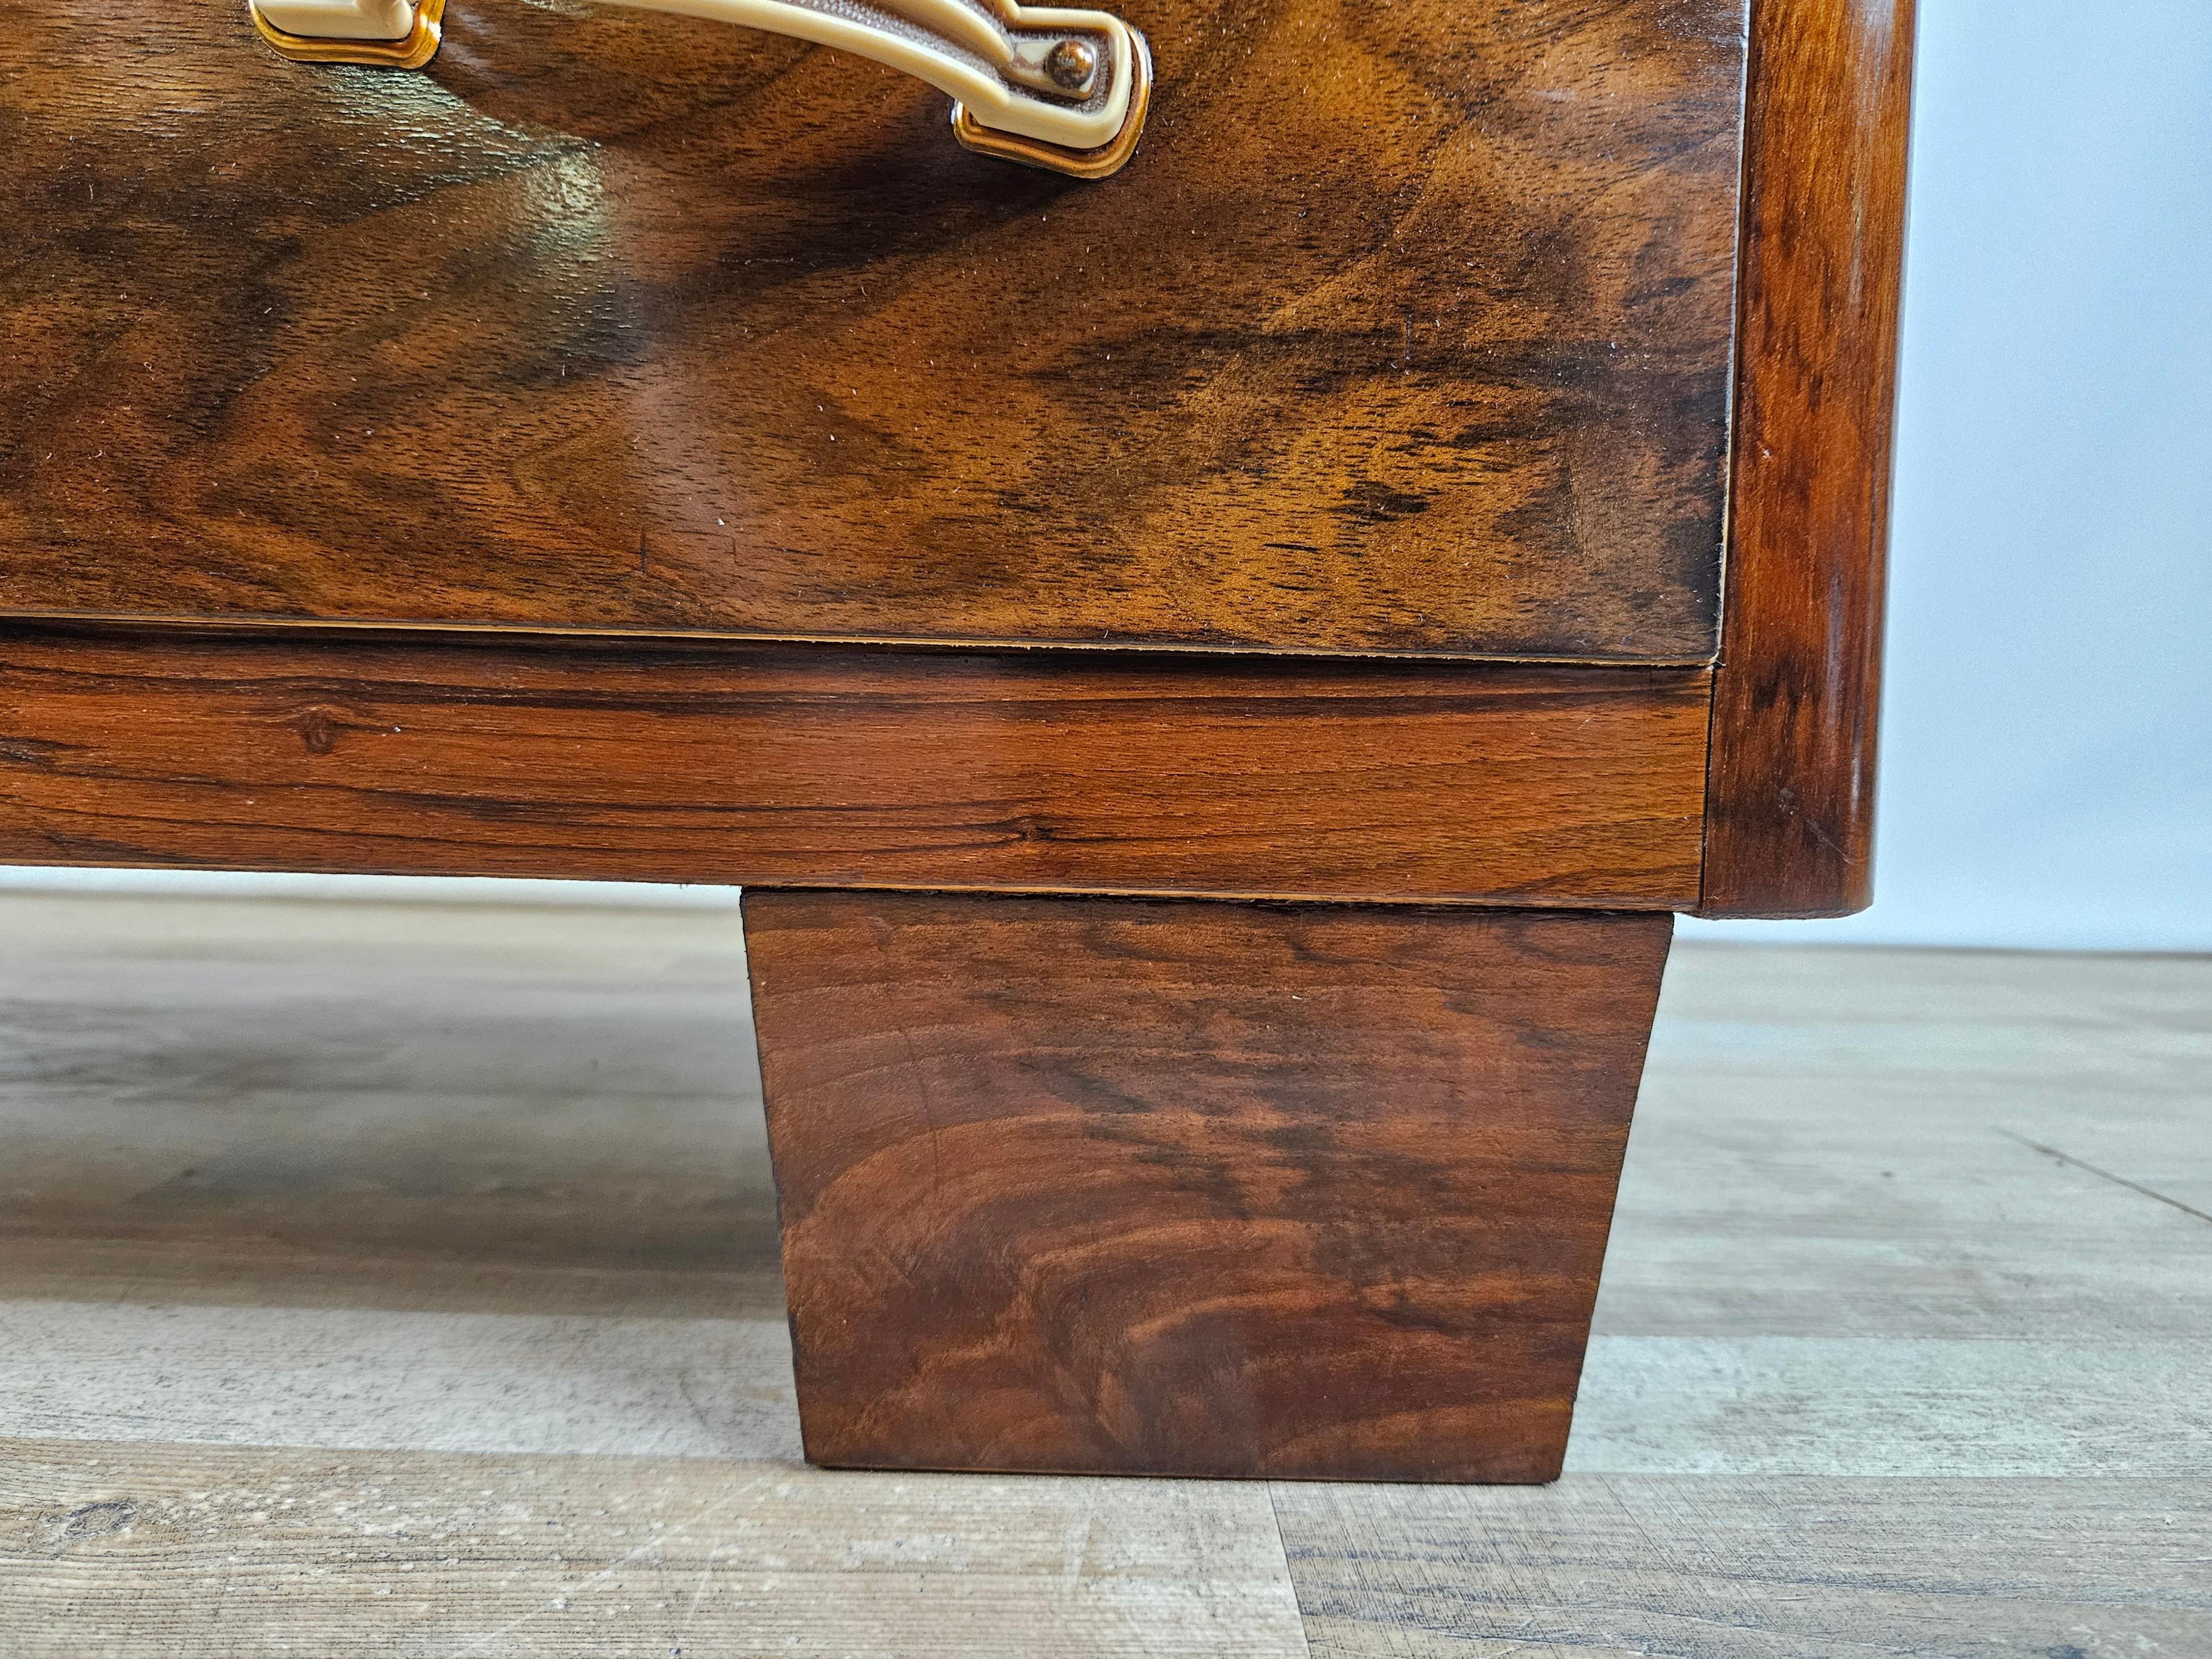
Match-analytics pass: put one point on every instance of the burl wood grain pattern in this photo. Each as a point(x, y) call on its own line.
point(302, 750)
point(1407, 332)
point(1193, 1189)
point(1789, 824)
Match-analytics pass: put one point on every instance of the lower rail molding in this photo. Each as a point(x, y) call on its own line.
point(816, 766)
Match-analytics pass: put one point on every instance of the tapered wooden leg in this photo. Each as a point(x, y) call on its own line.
point(1119, 1186)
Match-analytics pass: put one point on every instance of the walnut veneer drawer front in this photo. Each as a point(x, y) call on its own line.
point(1407, 330)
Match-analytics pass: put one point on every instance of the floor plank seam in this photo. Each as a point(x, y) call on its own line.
point(1289, 1573)
point(2105, 1175)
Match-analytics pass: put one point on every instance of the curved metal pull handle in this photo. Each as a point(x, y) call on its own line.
point(1055, 88)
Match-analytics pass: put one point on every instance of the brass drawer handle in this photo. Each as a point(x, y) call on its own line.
point(1053, 88)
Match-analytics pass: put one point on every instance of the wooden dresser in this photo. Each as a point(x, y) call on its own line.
point(1216, 654)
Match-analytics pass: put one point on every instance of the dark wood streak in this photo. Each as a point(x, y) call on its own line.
point(1407, 332)
point(305, 750)
point(1789, 808)
point(1194, 1189)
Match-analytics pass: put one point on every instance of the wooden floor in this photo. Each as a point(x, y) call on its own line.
point(399, 1280)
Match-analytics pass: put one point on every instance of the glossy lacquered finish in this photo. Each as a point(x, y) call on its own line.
point(302, 749)
point(1194, 1189)
point(1790, 815)
point(1409, 331)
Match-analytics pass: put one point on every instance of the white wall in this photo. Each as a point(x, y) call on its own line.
point(2047, 744)
point(2046, 766)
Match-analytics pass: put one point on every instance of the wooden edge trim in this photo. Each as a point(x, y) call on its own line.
point(826, 768)
point(1789, 798)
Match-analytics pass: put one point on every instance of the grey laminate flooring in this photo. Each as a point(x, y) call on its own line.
point(399, 1278)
